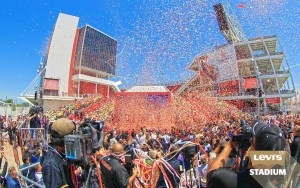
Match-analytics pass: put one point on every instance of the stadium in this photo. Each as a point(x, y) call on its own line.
point(78, 63)
point(164, 135)
point(252, 74)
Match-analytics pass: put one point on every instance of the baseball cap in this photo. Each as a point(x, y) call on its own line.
point(62, 127)
point(269, 137)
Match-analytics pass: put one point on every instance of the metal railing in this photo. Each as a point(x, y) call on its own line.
point(26, 179)
point(29, 135)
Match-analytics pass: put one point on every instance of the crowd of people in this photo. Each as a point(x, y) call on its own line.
point(191, 156)
point(78, 110)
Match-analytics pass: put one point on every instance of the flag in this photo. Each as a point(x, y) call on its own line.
point(241, 5)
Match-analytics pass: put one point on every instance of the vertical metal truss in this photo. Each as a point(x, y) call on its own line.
point(285, 59)
point(274, 72)
point(237, 34)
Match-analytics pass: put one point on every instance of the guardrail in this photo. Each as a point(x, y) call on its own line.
point(26, 179)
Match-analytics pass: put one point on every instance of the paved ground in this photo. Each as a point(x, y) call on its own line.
point(8, 150)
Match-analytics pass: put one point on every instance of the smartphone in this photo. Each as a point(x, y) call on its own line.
point(128, 159)
point(192, 137)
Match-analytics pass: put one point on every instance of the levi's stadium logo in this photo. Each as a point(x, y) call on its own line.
point(270, 168)
point(267, 162)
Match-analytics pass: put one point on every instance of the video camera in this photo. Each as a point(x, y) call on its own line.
point(79, 148)
point(129, 163)
point(190, 151)
point(81, 144)
point(35, 109)
point(244, 138)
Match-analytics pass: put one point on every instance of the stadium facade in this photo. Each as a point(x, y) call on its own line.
point(79, 61)
point(253, 74)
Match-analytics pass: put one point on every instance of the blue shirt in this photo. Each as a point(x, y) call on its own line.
point(12, 182)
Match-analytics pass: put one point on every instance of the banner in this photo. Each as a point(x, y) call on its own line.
point(250, 83)
point(51, 84)
point(229, 86)
point(273, 100)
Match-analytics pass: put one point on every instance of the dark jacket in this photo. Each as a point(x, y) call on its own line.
point(223, 177)
point(2, 177)
point(175, 163)
point(55, 171)
point(295, 148)
point(114, 174)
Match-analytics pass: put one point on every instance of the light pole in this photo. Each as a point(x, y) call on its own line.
point(6, 108)
point(39, 89)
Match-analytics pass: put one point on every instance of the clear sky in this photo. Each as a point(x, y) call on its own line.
point(157, 39)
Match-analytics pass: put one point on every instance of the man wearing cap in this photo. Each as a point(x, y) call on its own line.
point(265, 138)
point(56, 173)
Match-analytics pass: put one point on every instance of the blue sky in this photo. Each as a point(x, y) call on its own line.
point(157, 39)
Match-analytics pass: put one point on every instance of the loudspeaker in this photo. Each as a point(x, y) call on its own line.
point(35, 95)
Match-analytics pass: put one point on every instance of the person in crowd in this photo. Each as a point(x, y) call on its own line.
point(114, 173)
point(141, 137)
point(266, 138)
point(113, 140)
point(32, 120)
point(54, 167)
point(202, 169)
point(39, 175)
point(295, 145)
point(175, 164)
point(10, 131)
point(12, 178)
point(3, 173)
point(29, 173)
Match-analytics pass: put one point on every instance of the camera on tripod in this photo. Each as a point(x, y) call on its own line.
point(244, 138)
point(129, 163)
point(35, 109)
point(79, 148)
point(190, 151)
point(81, 144)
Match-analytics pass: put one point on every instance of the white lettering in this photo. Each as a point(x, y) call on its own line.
point(282, 172)
point(274, 157)
point(266, 172)
point(279, 157)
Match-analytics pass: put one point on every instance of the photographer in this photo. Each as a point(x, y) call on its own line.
point(33, 122)
point(54, 167)
point(113, 172)
point(265, 138)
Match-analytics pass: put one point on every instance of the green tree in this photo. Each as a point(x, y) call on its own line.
point(9, 101)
